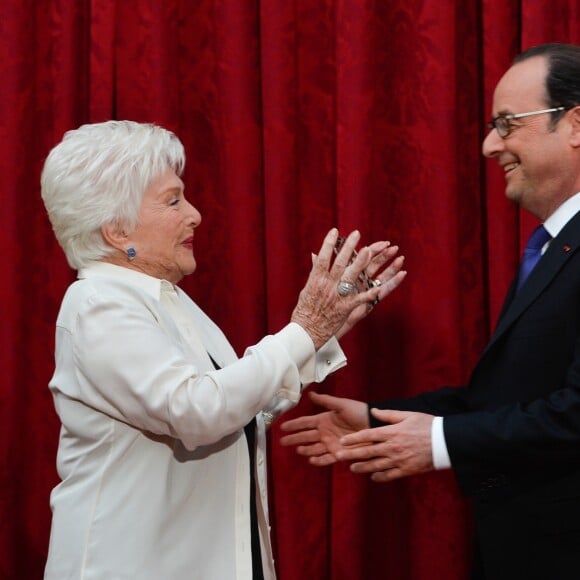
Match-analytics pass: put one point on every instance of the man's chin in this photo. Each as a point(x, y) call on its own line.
point(513, 194)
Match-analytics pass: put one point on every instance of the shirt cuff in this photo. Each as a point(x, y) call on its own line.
point(327, 360)
point(441, 459)
point(313, 366)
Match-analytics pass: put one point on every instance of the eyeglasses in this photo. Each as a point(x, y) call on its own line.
point(502, 124)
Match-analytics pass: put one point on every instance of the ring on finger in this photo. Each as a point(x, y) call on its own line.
point(376, 283)
point(345, 288)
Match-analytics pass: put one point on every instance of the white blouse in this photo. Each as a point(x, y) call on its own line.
point(152, 453)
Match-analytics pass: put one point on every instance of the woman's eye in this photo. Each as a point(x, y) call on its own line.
point(174, 202)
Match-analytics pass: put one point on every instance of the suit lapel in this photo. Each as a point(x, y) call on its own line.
point(561, 249)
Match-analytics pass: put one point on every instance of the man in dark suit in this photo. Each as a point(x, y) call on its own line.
point(512, 435)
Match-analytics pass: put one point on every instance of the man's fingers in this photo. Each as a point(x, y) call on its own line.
point(377, 434)
point(361, 451)
point(327, 401)
point(315, 450)
point(300, 438)
point(300, 423)
point(388, 475)
point(323, 460)
point(372, 465)
point(389, 415)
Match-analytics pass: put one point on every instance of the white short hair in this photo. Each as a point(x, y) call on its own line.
point(98, 175)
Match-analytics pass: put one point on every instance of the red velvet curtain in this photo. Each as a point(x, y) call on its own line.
point(296, 115)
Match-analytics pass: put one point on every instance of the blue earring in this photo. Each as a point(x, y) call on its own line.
point(131, 253)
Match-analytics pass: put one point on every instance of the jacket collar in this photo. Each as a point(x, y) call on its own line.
point(560, 250)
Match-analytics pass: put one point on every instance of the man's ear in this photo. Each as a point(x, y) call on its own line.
point(575, 124)
point(115, 235)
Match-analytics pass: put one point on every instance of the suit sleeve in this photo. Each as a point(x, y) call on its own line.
point(442, 402)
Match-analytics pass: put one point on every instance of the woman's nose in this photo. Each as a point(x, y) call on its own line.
point(195, 215)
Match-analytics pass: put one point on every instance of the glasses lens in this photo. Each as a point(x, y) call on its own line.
point(503, 126)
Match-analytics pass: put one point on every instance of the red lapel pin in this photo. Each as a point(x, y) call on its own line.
point(567, 248)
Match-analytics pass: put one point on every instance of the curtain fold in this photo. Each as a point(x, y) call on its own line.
point(296, 115)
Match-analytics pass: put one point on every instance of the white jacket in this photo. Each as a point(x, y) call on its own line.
point(152, 453)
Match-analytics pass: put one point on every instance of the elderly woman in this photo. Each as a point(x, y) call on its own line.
point(161, 477)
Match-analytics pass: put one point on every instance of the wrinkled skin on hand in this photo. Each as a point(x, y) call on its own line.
point(383, 254)
point(320, 310)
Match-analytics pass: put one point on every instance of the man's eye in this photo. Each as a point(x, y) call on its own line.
point(174, 202)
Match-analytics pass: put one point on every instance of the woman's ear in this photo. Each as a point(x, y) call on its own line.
point(115, 235)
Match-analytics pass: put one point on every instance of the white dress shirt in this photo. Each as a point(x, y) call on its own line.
point(152, 453)
point(553, 225)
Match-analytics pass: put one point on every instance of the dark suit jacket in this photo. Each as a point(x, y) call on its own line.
point(513, 433)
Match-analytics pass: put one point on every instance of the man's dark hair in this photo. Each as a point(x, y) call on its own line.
point(563, 78)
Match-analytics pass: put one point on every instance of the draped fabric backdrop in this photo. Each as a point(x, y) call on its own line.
point(296, 115)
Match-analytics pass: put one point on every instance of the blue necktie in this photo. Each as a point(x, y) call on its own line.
point(532, 253)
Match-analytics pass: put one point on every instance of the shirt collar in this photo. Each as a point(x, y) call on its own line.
point(563, 215)
point(147, 283)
